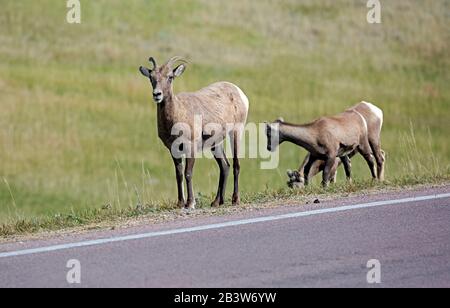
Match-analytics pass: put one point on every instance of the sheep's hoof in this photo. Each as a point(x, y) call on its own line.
point(216, 204)
point(190, 206)
point(181, 204)
point(236, 201)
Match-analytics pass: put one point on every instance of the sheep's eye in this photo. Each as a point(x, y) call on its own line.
point(170, 78)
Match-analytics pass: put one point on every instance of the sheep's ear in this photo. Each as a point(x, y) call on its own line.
point(145, 71)
point(179, 70)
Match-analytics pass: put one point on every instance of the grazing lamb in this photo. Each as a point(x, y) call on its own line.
point(374, 117)
point(330, 139)
point(221, 104)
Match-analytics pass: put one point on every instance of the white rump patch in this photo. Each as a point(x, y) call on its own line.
point(244, 97)
point(377, 111)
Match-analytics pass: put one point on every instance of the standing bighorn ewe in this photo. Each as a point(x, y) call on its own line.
point(374, 118)
point(222, 105)
point(331, 138)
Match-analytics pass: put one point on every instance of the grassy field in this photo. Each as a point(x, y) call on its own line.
point(78, 127)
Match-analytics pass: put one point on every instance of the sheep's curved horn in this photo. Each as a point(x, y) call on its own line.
point(174, 60)
point(152, 61)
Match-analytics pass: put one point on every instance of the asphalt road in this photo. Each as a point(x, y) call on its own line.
point(323, 245)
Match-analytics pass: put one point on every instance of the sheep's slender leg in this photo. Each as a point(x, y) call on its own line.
point(366, 152)
point(178, 162)
point(298, 177)
point(301, 169)
point(352, 154)
point(347, 167)
point(189, 172)
point(380, 159)
point(235, 141)
point(315, 168)
point(309, 170)
point(236, 173)
point(224, 166)
point(383, 165)
point(327, 172)
point(333, 172)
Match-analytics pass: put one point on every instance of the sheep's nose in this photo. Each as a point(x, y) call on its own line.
point(157, 94)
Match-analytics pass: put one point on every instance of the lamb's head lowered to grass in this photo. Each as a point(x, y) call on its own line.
point(295, 179)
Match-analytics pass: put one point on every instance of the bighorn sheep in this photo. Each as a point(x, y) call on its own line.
point(332, 140)
point(374, 117)
point(221, 104)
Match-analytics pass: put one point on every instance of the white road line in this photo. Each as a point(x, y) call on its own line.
point(220, 225)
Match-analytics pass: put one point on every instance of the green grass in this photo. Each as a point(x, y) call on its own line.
point(108, 216)
point(78, 128)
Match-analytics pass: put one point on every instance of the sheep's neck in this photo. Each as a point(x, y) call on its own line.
point(166, 112)
point(299, 135)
